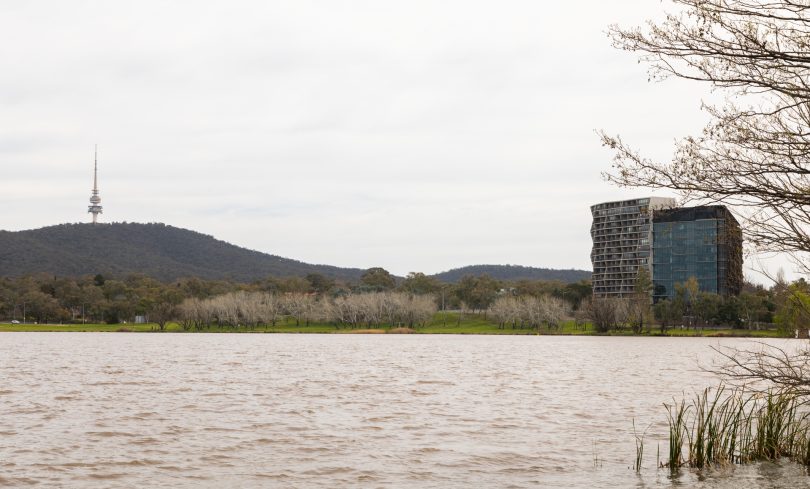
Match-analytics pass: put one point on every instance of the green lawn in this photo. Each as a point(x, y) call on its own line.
point(710, 332)
point(76, 327)
point(442, 323)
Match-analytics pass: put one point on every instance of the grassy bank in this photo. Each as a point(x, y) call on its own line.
point(442, 323)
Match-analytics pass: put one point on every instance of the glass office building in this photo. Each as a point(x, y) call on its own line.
point(702, 242)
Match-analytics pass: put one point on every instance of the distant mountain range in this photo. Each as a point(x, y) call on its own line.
point(167, 253)
point(514, 273)
point(157, 250)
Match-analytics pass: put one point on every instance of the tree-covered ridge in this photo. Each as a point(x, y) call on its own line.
point(156, 250)
point(514, 273)
point(168, 253)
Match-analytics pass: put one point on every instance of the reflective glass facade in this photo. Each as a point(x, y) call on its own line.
point(702, 242)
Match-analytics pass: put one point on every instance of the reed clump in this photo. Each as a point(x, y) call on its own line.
point(639, 448)
point(731, 426)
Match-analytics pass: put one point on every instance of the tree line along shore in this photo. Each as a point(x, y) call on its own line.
point(379, 302)
point(448, 322)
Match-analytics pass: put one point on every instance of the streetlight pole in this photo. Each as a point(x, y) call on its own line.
point(23, 312)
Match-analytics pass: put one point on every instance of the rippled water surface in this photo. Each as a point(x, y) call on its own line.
point(195, 410)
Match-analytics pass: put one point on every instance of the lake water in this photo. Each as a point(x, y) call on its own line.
point(199, 410)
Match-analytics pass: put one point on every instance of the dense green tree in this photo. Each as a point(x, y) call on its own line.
point(681, 308)
point(729, 312)
point(165, 306)
point(478, 293)
point(706, 308)
point(756, 308)
point(68, 293)
point(667, 314)
point(446, 297)
point(419, 283)
point(378, 278)
point(320, 283)
point(293, 285)
point(41, 307)
point(795, 311)
point(639, 304)
point(201, 289)
point(576, 292)
point(538, 288)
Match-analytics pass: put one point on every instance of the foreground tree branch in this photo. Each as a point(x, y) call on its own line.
point(755, 153)
point(766, 367)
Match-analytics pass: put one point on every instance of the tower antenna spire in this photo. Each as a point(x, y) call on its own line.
point(95, 201)
point(95, 171)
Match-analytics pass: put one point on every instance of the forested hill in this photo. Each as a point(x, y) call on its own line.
point(157, 250)
point(514, 273)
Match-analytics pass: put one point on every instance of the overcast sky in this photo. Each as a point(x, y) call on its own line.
point(412, 135)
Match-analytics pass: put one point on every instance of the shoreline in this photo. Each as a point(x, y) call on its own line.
point(433, 329)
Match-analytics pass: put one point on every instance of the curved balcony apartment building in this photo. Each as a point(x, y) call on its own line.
point(622, 242)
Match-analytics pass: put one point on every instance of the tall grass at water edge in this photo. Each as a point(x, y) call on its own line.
point(731, 426)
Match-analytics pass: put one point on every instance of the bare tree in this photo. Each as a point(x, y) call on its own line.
point(298, 306)
point(766, 367)
point(529, 311)
point(189, 313)
point(421, 309)
point(606, 313)
point(252, 309)
point(161, 313)
point(755, 152)
point(505, 310)
point(346, 312)
point(226, 309)
point(249, 306)
point(269, 309)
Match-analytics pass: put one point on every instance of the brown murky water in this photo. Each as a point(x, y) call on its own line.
point(195, 410)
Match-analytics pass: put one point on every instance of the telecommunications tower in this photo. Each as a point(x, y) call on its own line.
point(95, 200)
